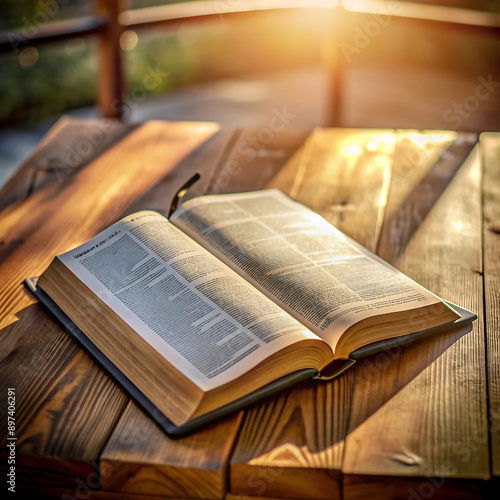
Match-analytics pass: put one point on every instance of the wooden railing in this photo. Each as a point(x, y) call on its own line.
point(112, 18)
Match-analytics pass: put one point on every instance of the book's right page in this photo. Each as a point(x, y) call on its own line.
point(308, 267)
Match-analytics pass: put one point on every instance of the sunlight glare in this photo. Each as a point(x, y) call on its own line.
point(128, 40)
point(422, 140)
point(353, 149)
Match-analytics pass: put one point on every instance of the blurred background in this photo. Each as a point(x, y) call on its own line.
point(235, 69)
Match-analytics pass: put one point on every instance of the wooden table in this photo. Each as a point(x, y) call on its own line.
point(412, 423)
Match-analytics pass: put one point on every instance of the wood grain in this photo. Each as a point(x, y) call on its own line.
point(205, 160)
point(80, 491)
point(424, 165)
point(66, 406)
point(69, 145)
point(195, 466)
point(490, 150)
point(251, 164)
point(230, 496)
point(434, 424)
point(410, 488)
point(64, 215)
point(344, 175)
point(409, 416)
point(71, 405)
point(294, 442)
point(141, 459)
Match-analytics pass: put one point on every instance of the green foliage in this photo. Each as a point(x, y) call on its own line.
point(64, 78)
point(19, 14)
point(65, 75)
point(57, 82)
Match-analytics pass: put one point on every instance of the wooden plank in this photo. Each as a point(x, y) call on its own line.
point(410, 488)
point(471, 21)
point(490, 150)
point(65, 406)
point(50, 32)
point(196, 11)
point(256, 156)
point(70, 405)
point(425, 164)
point(344, 175)
point(68, 146)
point(230, 496)
point(139, 458)
point(204, 160)
point(64, 215)
point(83, 491)
point(423, 414)
point(292, 444)
point(111, 90)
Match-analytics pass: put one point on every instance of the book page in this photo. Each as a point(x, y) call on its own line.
point(326, 280)
point(195, 311)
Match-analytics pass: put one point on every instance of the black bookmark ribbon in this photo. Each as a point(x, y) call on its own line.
point(181, 192)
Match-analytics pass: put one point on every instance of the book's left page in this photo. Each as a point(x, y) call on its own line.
point(191, 308)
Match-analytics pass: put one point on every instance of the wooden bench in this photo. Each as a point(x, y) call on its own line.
point(418, 422)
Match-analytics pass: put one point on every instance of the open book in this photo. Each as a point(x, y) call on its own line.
point(232, 298)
